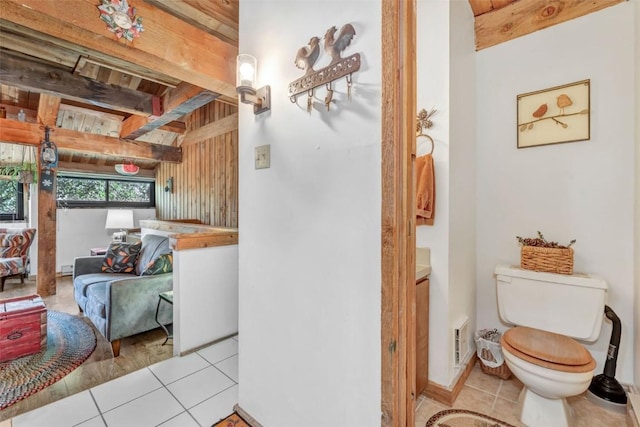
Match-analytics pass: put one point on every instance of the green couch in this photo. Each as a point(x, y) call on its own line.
point(123, 304)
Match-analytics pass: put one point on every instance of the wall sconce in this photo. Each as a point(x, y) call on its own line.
point(246, 69)
point(168, 188)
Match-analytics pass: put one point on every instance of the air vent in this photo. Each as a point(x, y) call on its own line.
point(461, 339)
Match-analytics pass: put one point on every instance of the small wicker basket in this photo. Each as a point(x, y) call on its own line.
point(550, 260)
point(501, 371)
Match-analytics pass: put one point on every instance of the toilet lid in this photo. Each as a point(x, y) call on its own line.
point(547, 349)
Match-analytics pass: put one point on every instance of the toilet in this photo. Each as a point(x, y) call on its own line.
point(549, 313)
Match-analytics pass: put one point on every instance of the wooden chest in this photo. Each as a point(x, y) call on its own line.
point(23, 327)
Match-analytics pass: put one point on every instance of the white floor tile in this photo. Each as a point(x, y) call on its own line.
point(229, 367)
point(173, 369)
point(121, 390)
point(220, 351)
point(66, 412)
point(93, 422)
point(216, 408)
point(182, 420)
point(146, 411)
point(200, 386)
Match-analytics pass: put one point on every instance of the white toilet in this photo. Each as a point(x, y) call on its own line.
point(548, 311)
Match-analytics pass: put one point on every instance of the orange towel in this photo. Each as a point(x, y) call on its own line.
point(425, 190)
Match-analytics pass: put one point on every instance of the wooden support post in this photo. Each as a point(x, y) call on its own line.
point(46, 239)
point(46, 280)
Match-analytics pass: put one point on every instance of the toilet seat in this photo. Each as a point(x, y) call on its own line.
point(548, 350)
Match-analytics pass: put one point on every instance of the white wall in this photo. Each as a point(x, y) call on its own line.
point(580, 190)
point(637, 200)
point(446, 81)
point(309, 247)
point(205, 290)
point(79, 230)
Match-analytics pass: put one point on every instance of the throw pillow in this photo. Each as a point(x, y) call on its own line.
point(121, 258)
point(160, 265)
point(11, 245)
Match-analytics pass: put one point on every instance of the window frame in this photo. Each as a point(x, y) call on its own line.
point(75, 204)
point(20, 201)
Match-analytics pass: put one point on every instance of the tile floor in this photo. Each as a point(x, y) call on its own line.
point(195, 390)
point(498, 398)
point(201, 388)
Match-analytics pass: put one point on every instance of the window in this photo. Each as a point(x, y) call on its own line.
point(11, 200)
point(97, 192)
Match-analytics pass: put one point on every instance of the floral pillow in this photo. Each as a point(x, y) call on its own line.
point(160, 265)
point(121, 258)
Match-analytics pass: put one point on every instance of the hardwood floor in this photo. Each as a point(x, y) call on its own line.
point(136, 352)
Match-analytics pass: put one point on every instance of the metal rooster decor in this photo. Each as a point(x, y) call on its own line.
point(334, 47)
point(307, 56)
point(339, 67)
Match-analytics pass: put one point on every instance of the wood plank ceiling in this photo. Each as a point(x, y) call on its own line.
point(96, 90)
point(142, 91)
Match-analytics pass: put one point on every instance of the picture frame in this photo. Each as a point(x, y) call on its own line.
point(555, 115)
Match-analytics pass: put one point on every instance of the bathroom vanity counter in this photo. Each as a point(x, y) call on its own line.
point(422, 272)
point(423, 263)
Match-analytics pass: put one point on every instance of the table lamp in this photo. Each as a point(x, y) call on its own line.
point(121, 219)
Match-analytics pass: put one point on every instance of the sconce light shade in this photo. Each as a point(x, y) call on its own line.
point(246, 72)
point(246, 66)
point(169, 187)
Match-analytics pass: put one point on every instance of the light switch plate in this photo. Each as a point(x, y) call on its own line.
point(263, 157)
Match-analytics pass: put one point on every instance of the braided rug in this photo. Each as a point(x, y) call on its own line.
point(70, 341)
point(464, 418)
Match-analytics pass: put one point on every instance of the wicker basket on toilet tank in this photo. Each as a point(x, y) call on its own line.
point(541, 255)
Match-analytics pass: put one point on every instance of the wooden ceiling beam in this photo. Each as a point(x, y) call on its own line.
point(211, 130)
point(176, 127)
point(218, 18)
point(177, 102)
point(527, 16)
point(99, 169)
point(41, 49)
point(48, 109)
point(15, 132)
point(168, 45)
point(17, 71)
point(480, 6)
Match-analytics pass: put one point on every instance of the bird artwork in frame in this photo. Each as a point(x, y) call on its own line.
point(554, 115)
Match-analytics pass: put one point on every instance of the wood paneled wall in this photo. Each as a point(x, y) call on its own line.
point(205, 184)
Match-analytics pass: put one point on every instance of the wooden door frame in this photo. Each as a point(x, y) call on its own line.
point(398, 213)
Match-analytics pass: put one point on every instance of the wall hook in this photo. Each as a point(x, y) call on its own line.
point(335, 42)
point(329, 96)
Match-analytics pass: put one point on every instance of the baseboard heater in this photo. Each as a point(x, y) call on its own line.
point(461, 339)
point(66, 270)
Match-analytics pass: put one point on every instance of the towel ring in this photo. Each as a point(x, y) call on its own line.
point(430, 140)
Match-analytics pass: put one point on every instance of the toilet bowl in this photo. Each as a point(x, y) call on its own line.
point(549, 313)
point(551, 367)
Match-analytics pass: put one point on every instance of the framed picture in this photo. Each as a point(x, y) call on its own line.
point(554, 115)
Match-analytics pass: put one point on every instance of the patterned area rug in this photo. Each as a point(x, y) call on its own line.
point(70, 341)
point(464, 418)
point(233, 420)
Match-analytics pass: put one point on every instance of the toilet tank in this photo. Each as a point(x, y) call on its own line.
point(571, 305)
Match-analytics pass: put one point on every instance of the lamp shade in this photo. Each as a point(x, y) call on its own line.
point(119, 219)
point(246, 67)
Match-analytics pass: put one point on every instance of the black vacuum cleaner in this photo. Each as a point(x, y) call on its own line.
point(605, 390)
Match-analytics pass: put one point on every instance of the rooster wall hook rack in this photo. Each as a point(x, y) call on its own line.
point(339, 67)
